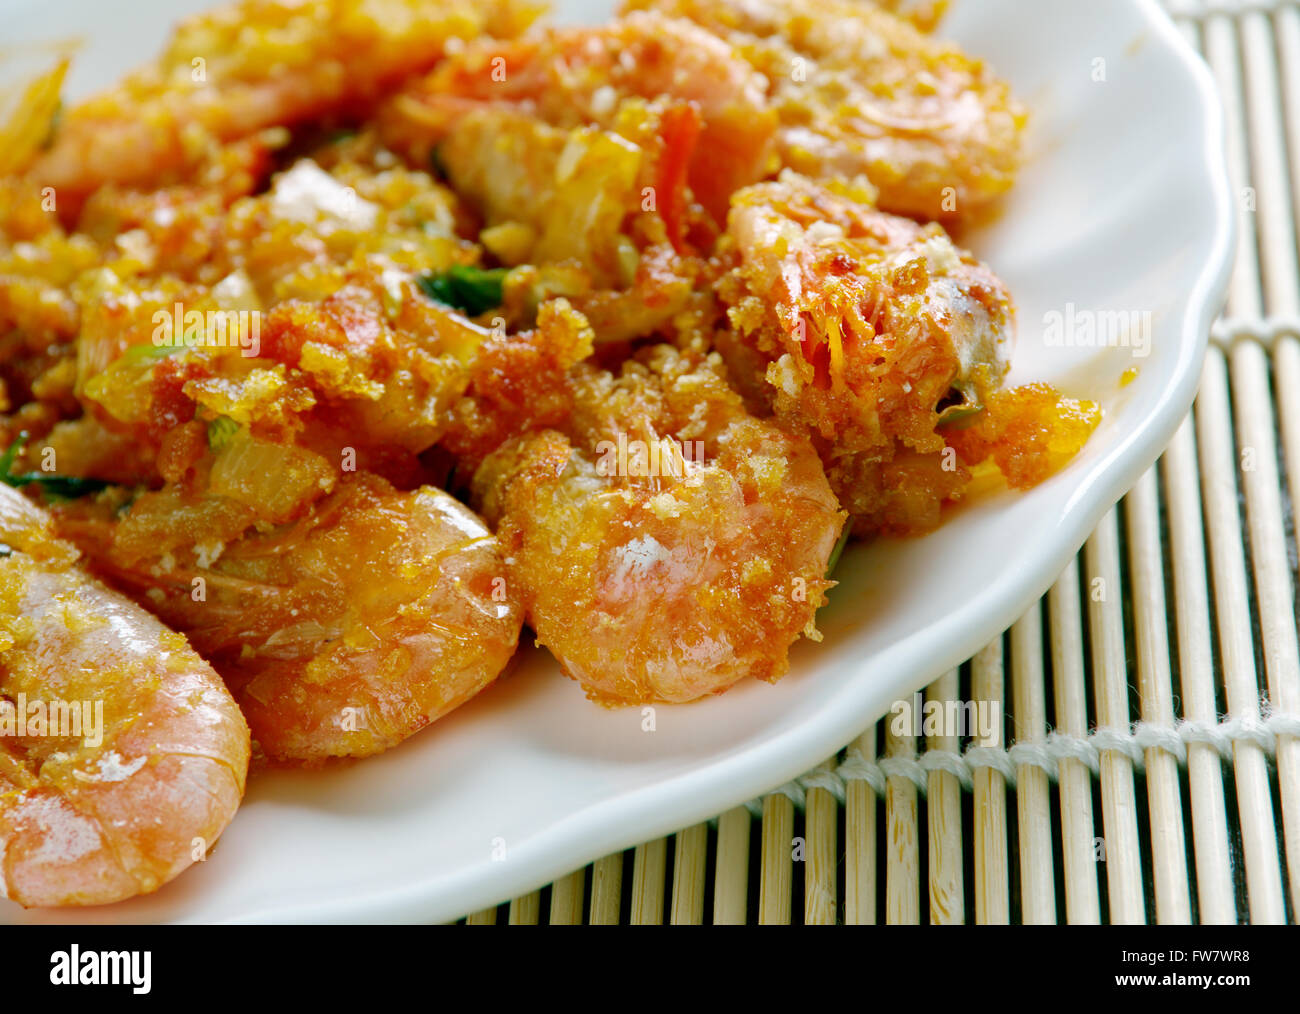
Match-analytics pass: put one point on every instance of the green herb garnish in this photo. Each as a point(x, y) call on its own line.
point(838, 551)
point(959, 416)
point(960, 408)
point(221, 431)
point(59, 487)
point(464, 287)
point(55, 487)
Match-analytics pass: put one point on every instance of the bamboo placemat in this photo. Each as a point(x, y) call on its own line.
point(1151, 770)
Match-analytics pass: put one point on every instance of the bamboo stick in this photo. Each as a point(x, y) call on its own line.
point(1033, 798)
point(1223, 525)
point(731, 869)
point(776, 884)
point(1287, 369)
point(1286, 22)
point(1274, 588)
point(649, 864)
point(690, 865)
point(860, 849)
point(821, 852)
point(992, 880)
point(1215, 899)
point(1268, 163)
point(1287, 27)
point(1155, 689)
point(526, 909)
point(902, 859)
point(487, 917)
point(943, 809)
point(567, 897)
point(1274, 592)
point(1078, 845)
point(1110, 690)
point(606, 890)
point(1221, 52)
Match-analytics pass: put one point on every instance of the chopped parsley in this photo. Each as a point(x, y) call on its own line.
point(55, 487)
point(464, 287)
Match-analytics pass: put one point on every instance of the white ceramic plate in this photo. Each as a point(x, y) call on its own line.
point(1124, 206)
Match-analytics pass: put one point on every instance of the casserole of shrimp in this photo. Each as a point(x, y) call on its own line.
point(389, 335)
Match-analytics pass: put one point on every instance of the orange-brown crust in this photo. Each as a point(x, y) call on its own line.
point(671, 585)
point(860, 91)
point(869, 333)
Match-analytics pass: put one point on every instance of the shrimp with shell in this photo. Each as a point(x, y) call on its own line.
point(666, 543)
point(859, 91)
point(612, 76)
point(229, 74)
point(343, 630)
point(601, 158)
point(85, 822)
point(887, 345)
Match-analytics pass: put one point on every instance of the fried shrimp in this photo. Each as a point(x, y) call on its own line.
point(342, 632)
point(230, 73)
point(879, 338)
point(97, 812)
point(585, 214)
point(860, 91)
point(576, 77)
point(602, 158)
point(667, 545)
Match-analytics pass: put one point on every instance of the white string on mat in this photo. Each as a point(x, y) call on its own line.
point(1268, 331)
point(1046, 756)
